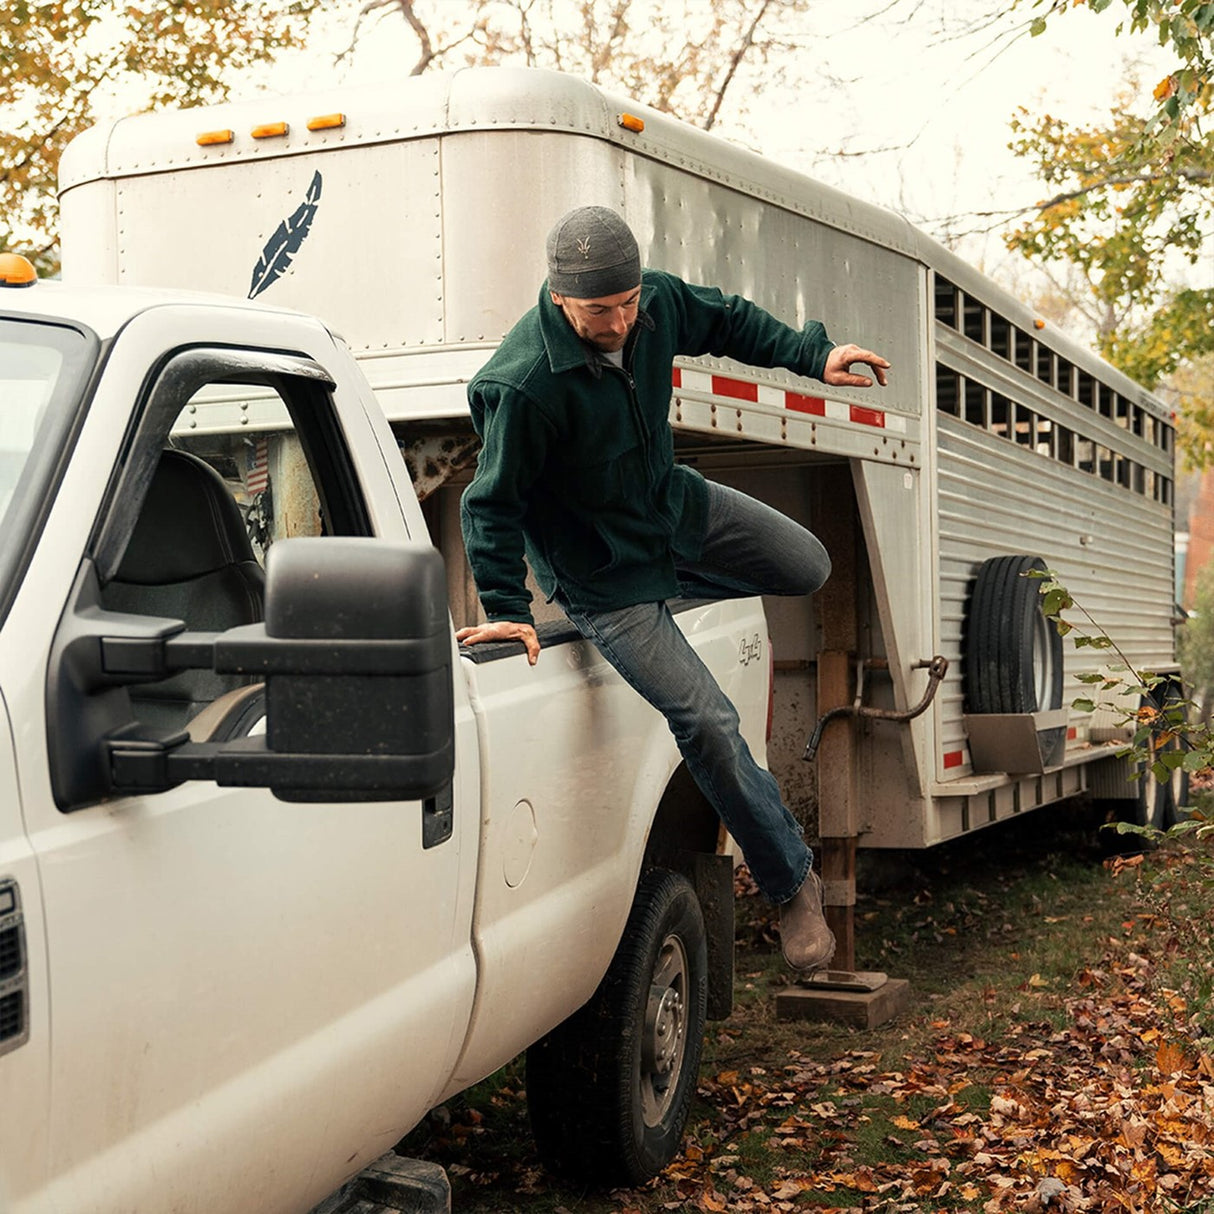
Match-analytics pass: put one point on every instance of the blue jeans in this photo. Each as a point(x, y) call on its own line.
point(749, 549)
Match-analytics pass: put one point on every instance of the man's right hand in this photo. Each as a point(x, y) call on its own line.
point(838, 367)
point(502, 630)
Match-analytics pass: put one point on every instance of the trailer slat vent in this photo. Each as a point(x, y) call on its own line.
point(946, 302)
point(975, 320)
point(968, 399)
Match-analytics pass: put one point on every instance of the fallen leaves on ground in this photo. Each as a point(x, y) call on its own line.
point(1108, 1106)
point(1098, 1095)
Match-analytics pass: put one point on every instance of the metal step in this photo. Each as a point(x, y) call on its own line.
point(392, 1185)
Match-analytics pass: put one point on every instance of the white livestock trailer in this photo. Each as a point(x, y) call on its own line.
point(412, 218)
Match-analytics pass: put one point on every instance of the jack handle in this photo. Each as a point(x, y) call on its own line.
point(936, 668)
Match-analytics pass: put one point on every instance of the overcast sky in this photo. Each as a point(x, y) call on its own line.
point(941, 101)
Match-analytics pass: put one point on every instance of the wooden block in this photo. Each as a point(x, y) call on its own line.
point(862, 1009)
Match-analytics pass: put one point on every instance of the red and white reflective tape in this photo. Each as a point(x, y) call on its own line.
point(695, 380)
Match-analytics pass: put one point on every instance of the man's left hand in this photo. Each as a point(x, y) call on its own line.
point(838, 367)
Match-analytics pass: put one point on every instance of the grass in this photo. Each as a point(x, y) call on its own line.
point(1026, 955)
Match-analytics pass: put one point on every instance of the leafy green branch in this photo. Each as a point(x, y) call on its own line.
point(1164, 737)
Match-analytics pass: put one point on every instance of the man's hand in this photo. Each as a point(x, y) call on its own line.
point(502, 630)
point(838, 367)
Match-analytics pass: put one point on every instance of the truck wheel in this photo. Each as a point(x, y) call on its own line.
point(609, 1090)
point(1013, 653)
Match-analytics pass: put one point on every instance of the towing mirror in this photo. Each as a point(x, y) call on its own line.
point(355, 654)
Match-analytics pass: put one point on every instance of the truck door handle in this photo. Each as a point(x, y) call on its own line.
point(14, 973)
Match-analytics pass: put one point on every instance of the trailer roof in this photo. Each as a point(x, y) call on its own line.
point(469, 99)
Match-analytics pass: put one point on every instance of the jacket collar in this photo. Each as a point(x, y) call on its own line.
point(565, 349)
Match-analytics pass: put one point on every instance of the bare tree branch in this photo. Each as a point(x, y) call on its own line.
point(426, 57)
point(1193, 175)
point(369, 7)
point(428, 53)
point(734, 60)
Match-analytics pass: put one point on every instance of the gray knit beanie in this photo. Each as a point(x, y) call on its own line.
point(592, 253)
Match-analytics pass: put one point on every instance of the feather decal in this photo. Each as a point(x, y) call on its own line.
point(276, 257)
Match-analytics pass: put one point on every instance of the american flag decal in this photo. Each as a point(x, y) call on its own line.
point(257, 467)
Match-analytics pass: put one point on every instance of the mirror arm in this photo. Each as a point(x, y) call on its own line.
point(147, 765)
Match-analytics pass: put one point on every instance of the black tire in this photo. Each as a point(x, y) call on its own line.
point(1013, 652)
point(609, 1090)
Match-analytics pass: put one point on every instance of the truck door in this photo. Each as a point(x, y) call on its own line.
point(251, 999)
point(24, 1047)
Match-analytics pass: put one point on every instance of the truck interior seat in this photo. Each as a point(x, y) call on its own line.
point(189, 558)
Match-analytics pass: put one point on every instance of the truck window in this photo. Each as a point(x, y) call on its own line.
point(266, 472)
point(43, 368)
point(240, 467)
point(281, 455)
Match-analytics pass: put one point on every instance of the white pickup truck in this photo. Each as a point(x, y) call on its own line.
point(281, 869)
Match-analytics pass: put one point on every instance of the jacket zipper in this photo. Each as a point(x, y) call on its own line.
point(634, 406)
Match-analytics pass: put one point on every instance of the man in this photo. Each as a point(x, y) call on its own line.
point(577, 470)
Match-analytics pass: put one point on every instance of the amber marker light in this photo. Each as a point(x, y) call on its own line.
point(1039, 323)
point(210, 138)
point(326, 122)
point(630, 122)
point(17, 271)
point(269, 130)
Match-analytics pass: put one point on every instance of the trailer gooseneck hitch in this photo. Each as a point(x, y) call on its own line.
point(936, 669)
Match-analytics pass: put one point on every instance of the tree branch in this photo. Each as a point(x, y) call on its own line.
point(428, 52)
point(734, 61)
point(1193, 175)
point(423, 37)
point(369, 7)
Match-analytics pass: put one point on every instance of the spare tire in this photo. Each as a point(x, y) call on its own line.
point(1012, 660)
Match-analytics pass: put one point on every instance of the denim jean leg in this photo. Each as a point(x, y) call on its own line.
point(751, 548)
point(649, 650)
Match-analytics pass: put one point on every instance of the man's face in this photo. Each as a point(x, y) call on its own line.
point(604, 323)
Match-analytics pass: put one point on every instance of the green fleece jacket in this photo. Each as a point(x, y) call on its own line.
point(577, 467)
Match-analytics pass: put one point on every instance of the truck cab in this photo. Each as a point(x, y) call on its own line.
point(280, 869)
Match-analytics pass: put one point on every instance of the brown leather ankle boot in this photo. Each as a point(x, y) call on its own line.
point(807, 942)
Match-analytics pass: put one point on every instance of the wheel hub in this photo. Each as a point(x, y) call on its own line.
point(664, 1037)
point(663, 1029)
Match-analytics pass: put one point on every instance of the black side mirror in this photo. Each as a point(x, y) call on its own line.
point(355, 652)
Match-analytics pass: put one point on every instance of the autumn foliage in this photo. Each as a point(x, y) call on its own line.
point(1130, 201)
point(64, 57)
point(1057, 1058)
